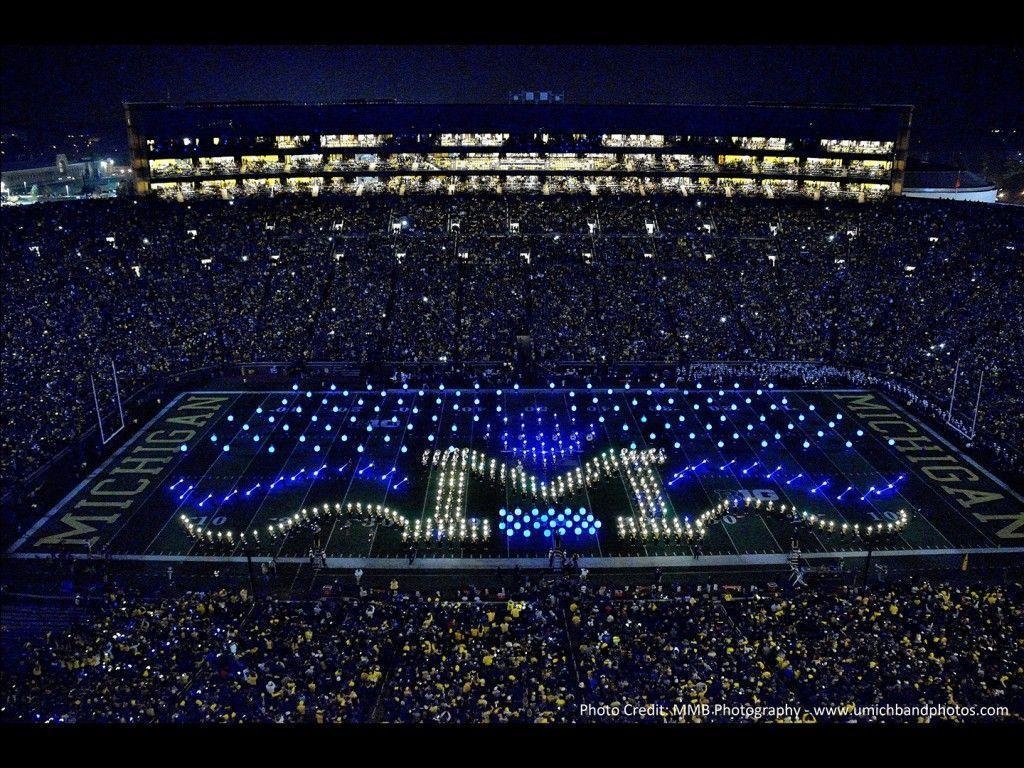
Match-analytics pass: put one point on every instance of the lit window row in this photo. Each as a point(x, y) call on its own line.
point(515, 161)
point(530, 184)
point(859, 147)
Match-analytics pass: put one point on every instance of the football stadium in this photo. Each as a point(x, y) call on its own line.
point(378, 412)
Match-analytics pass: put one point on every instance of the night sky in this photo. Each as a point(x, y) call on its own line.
point(960, 92)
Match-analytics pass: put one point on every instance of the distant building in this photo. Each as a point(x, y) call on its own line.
point(231, 149)
point(949, 185)
point(61, 180)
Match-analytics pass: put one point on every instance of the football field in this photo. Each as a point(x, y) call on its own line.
point(468, 460)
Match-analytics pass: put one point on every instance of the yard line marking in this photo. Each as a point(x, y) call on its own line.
point(743, 436)
point(59, 506)
point(177, 510)
point(395, 458)
point(291, 453)
point(874, 471)
point(298, 442)
point(839, 514)
point(625, 488)
point(710, 500)
point(910, 471)
point(351, 478)
point(586, 489)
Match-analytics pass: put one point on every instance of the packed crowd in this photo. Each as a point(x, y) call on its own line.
point(905, 288)
point(556, 651)
point(904, 643)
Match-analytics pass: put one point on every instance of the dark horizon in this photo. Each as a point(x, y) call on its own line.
point(958, 91)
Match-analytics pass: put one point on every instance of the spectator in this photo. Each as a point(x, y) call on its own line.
point(218, 657)
point(902, 290)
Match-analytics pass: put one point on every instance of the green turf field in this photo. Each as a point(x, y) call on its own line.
point(242, 461)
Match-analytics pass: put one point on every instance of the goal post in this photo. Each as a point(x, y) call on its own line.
point(965, 422)
point(104, 436)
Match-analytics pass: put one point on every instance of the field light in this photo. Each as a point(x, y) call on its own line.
point(652, 520)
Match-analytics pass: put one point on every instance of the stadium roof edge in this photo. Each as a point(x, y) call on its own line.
point(876, 121)
point(552, 105)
